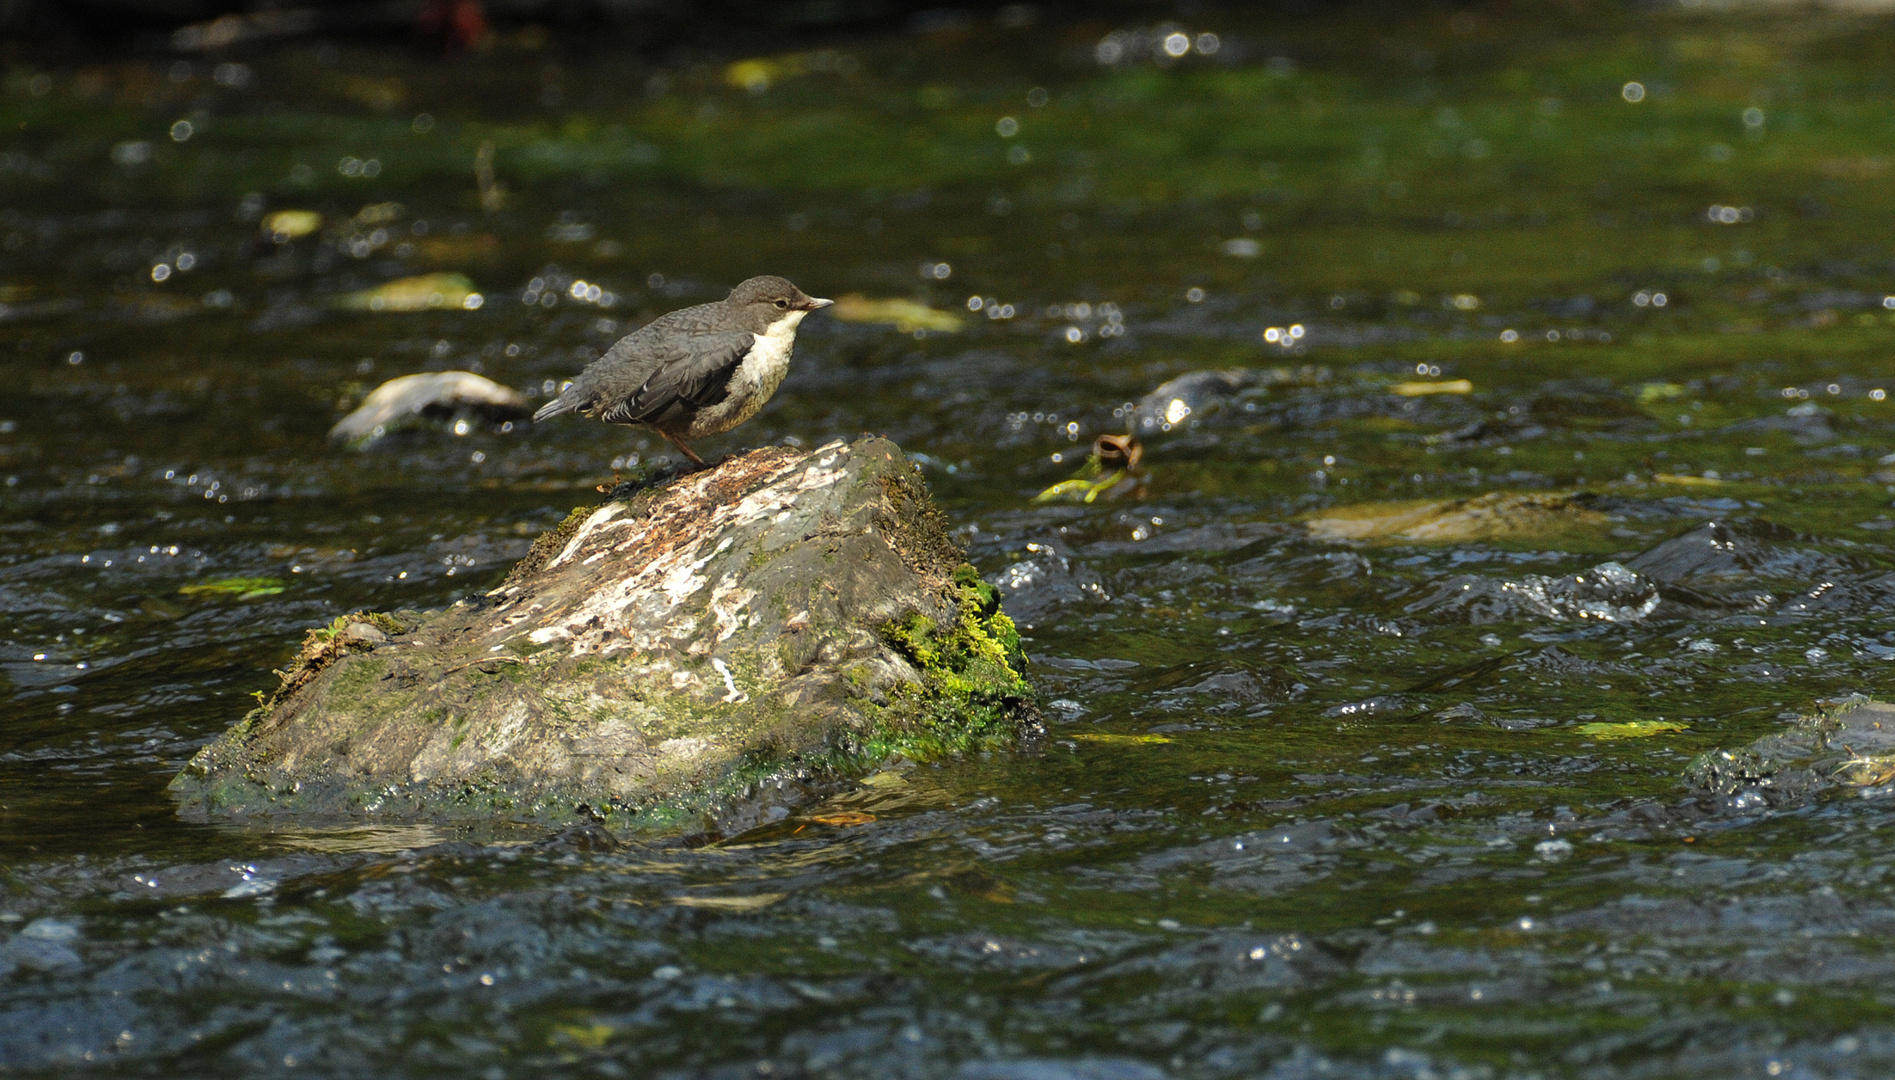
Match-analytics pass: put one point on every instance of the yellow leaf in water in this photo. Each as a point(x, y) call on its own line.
point(906, 315)
point(241, 588)
point(1632, 729)
point(752, 902)
point(590, 1036)
point(456, 249)
point(423, 292)
point(367, 89)
point(843, 818)
point(758, 73)
point(378, 213)
point(1119, 740)
point(1687, 481)
point(1424, 389)
point(1079, 490)
point(290, 224)
point(1658, 391)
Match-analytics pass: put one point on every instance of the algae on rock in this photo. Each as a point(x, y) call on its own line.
point(700, 657)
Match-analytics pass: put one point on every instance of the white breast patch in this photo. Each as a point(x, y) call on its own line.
point(769, 356)
point(756, 378)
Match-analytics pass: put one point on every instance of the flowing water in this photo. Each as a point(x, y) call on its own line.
point(1333, 787)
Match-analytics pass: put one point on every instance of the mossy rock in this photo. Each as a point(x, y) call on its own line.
point(1850, 744)
point(700, 657)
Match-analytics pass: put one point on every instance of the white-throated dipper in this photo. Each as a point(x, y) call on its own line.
point(697, 371)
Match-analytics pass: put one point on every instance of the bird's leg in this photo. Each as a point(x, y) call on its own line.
point(688, 452)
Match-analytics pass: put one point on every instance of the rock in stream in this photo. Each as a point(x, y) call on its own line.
point(700, 657)
point(1851, 744)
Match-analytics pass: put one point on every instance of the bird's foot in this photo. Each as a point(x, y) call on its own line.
point(650, 478)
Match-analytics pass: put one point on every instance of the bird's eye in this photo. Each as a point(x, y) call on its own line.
point(781, 304)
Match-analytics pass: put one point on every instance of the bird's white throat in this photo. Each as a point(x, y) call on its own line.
point(770, 354)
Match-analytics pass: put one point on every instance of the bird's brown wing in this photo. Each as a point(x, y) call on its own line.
point(682, 373)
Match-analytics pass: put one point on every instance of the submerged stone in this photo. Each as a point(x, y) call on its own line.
point(1850, 745)
point(1499, 515)
point(700, 657)
point(1190, 398)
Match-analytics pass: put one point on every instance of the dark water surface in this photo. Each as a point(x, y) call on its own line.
point(1404, 806)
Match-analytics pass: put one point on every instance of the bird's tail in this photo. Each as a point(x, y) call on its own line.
point(559, 406)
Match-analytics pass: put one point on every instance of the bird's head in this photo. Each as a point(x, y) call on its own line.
point(764, 300)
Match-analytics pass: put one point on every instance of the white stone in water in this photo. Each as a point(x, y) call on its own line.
point(436, 392)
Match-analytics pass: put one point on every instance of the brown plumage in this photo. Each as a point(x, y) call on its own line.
point(698, 371)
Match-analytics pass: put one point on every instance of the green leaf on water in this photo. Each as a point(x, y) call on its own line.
point(237, 588)
point(1632, 729)
point(423, 292)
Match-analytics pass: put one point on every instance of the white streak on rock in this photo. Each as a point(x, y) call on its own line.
point(727, 606)
point(736, 696)
point(600, 518)
point(512, 723)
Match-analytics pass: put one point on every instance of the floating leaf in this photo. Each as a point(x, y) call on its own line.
point(1631, 729)
point(383, 94)
point(286, 225)
point(241, 588)
point(590, 1036)
point(906, 315)
point(758, 73)
point(1109, 452)
point(1079, 490)
point(423, 292)
point(842, 818)
point(1687, 481)
point(1658, 391)
point(380, 213)
point(1425, 389)
point(752, 902)
point(454, 248)
point(1119, 740)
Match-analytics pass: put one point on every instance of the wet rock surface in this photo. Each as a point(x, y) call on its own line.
point(701, 656)
point(1849, 745)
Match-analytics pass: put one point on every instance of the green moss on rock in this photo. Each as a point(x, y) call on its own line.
point(972, 693)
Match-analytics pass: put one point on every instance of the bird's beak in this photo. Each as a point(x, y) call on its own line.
point(817, 303)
